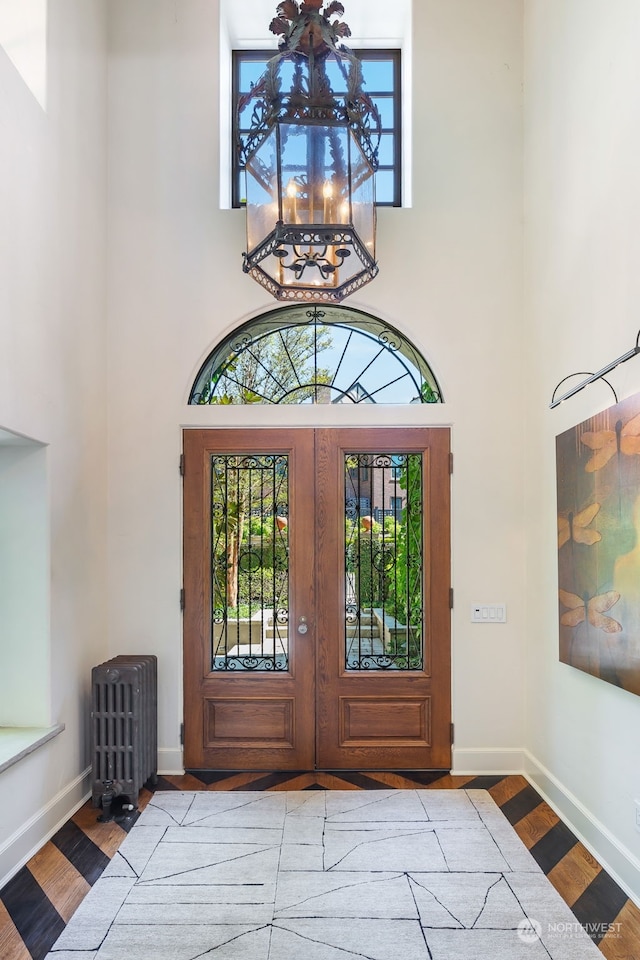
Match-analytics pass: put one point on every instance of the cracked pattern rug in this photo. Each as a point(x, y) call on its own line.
point(335, 875)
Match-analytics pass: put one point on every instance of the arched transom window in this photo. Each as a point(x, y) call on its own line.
point(299, 355)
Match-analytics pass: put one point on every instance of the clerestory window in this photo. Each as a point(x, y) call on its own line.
point(381, 71)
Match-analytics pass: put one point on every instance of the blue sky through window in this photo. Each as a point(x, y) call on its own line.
point(381, 74)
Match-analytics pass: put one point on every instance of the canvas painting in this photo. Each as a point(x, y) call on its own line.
point(598, 483)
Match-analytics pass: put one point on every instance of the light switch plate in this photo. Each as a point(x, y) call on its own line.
point(489, 613)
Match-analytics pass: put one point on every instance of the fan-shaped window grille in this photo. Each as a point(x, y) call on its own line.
point(301, 355)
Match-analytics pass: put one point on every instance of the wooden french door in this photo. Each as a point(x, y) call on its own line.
point(317, 614)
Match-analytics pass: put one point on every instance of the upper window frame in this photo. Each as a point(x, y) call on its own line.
point(394, 54)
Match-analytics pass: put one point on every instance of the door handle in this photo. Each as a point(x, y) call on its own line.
point(302, 625)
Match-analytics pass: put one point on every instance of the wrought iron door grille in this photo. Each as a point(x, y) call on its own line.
point(250, 562)
point(384, 612)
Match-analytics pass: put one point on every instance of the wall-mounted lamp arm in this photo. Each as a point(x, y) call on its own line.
point(592, 377)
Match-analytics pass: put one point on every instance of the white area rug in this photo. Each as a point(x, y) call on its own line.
point(336, 875)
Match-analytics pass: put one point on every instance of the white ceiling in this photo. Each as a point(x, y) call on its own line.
point(372, 22)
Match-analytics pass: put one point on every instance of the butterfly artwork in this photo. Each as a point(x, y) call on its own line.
point(624, 438)
point(592, 610)
point(598, 545)
point(573, 527)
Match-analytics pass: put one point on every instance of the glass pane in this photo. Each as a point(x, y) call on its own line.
point(362, 198)
point(313, 173)
point(261, 191)
point(286, 71)
point(383, 561)
point(241, 185)
point(385, 184)
point(244, 117)
point(386, 148)
point(249, 561)
point(378, 74)
point(386, 108)
point(336, 77)
point(250, 72)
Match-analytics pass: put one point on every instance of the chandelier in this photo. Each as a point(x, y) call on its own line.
point(310, 157)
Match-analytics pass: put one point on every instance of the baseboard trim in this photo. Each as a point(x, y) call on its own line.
point(32, 835)
point(488, 760)
point(170, 761)
point(619, 862)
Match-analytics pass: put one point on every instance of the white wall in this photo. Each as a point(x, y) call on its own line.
point(450, 278)
point(582, 151)
point(53, 379)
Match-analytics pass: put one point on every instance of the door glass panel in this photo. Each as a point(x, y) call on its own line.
point(383, 561)
point(250, 561)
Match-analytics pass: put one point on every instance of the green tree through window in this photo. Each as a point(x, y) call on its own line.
point(295, 354)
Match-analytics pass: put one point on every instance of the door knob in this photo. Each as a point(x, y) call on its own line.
point(302, 625)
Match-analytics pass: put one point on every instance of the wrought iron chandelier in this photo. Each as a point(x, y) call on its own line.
point(310, 159)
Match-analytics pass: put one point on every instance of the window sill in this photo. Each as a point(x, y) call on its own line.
point(19, 742)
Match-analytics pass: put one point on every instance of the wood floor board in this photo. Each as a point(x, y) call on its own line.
point(36, 920)
point(448, 782)
point(65, 887)
point(623, 941)
point(507, 788)
point(106, 836)
point(603, 899)
point(535, 825)
point(269, 781)
point(553, 846)
point(483, 782)
point(187, 782)
point(143, 799)
point(394, 781)
point(84, 854)
point(166, 783)
point(37, 903)
point(360, 780)
point(12, 945)
point(573, 874)
point(330, 782)
point(300, 782)
point(236, 781)
point(520, 804)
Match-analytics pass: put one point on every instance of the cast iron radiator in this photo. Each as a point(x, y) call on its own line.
point(124, 736)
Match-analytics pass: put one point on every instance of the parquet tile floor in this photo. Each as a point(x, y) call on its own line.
point(39, 900)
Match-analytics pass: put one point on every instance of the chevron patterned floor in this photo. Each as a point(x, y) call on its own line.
point(37, 903)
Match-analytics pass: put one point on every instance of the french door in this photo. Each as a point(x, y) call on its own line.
point(317, 615)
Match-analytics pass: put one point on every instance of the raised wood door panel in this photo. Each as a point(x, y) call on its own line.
point(240, 718)
point(383, 718)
